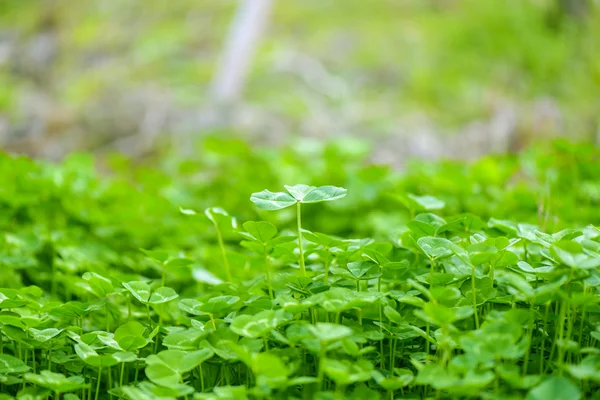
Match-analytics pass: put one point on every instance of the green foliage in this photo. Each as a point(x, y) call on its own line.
point(459, 59)
point(418, 299)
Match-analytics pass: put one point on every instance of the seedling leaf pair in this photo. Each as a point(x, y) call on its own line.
point(267, 200)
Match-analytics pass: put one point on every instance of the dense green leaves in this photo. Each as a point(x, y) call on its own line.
point(417, 301)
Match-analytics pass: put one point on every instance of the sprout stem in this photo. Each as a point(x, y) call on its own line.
point(474, 297)
point(268, 272)
point(98, 383)
point(299, 220)
point(223, 252)
point(122, 374)
point(326, 266)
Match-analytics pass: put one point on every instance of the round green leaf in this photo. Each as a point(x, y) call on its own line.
point(261, 231)
point(326, 332)
point(267, 200)
point(139, 290)
point(56, 382)
point(163, 295)
point(11, 365)
point(554, 388)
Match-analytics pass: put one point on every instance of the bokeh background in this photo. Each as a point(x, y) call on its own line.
point(415, 78)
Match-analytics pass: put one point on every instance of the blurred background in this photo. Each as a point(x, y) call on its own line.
point(415, 78)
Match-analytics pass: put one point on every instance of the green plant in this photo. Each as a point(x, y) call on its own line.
point(435, 302)
point(297, 195)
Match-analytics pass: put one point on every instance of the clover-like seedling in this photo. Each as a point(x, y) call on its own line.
point(573, 255)
point(89, 356)
point(218, 304)
point(166, 261)
point(327, 333)
point(144, 294)
point(324, 245)
point(297, 195)
point(261, 238)
point(435, 249)
point(345, 372)
point(335, 300)
point(44, 336)
point(221, 220)
point(270, 370)
point(416, 203)
point(58, 383)
point(166, 368)
point(258, 325)
point(402, 377)
point(98, 284)
point(130, 336)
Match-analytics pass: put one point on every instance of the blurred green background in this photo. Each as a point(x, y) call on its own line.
point(423, 78)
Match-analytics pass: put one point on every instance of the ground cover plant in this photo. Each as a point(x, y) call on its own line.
point(204, 280)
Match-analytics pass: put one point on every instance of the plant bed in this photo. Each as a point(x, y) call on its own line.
point(447, 305)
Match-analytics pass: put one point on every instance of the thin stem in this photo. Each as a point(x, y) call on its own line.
point(108, 372)
point(223, 253)
point(474, 297)
point(129, 307)
point(300, 248)
point(580, 335)
point(122, 374)
point(326, 266)
point(226, 374)
point(427, 329)
point(561, 342)
point(53, 287)
point(98, 384)
point(89, 396)
point(148, 313)
point(321, 371)
point(382, 360)
point(392, 344)
point(157, 337)
point(106, 319)
point(544, 339)
point(137, 372)
point(431, 273)
point(268, 272)
point(201, 378)
point(33, 365)
point(26, 351)
point(529, 338)
point(570, 317)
